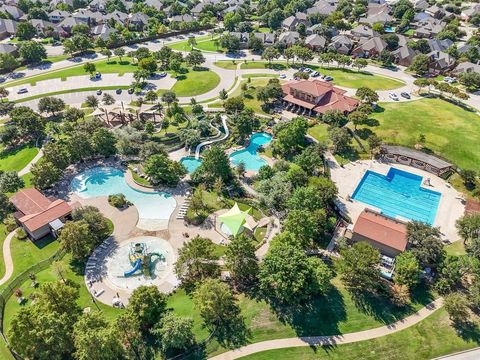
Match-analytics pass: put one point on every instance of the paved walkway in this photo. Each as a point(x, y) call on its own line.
point(7, 257)
point(27, 167)
point(473, 354)
point(335, 339)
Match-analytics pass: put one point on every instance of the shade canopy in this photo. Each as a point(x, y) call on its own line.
point(234, 219)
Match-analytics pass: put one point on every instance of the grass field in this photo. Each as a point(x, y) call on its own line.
point(114, 66)
point(16, 160)
point(183, 45)
point(92, 89)
point(430, 338)
point(450, 131)
point(195, 82)
point(342, 77)
point(227, 64)
point(209, 45)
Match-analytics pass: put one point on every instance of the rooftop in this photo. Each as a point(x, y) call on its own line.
point(417, 155)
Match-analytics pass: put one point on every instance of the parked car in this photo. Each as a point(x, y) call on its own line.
point(283, 76)
point(449, 79)
point(98, 75)
point(162, 74)
point(308, 70)
point(405, 95)
point(2, 79)
point(99, 92)
point(328, 78)
point(131, 91)
point(118, 91)
point(22, 91)
point(393, 96)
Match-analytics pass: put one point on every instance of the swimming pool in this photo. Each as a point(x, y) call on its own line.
point(154, 208)
point(248, 155)
point(399, 193)
point(190, 163)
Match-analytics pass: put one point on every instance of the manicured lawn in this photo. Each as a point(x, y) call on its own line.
point(430, 338)
point(226, 64)
point(92, 89)
point(183, 45)
point(342, 77)
point(450, 131)
point(3, 235)
point(260, 233)
point(195, 82)
point(209, 45)
point(319, 132)
point(26, 253)
point(16, 160)
point(456, 248)
point(114, 66)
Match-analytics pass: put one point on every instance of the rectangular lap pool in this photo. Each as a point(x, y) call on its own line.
point(399, 193)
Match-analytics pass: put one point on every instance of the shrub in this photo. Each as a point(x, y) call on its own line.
point(21, 234)
point(118, 200)
point(10, 223)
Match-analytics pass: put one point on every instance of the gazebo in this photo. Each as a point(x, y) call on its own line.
point(234, 221)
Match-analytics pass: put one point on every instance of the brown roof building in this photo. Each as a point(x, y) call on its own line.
point(315, 97)
point(388, 235)
point(39, 215)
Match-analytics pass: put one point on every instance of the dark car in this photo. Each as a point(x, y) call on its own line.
point(405, 95)
point(118, 91)
point(131, 91)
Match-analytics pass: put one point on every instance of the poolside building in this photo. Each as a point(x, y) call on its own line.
point(315, 97)
point(38, 215)
point(386, 234)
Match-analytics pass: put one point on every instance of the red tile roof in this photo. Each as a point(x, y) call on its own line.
point(37, 209)
point(472, 207)
point(381, 229)
point(332, 98)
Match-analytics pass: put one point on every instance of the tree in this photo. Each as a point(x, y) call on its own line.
point(340, 139)
point(104, 142)
point(241, 261)
point(456, 304)
point(127, 326)
point(10, 182)
point(192, 42)
point(169, 97)
point(391, 40)
point(195, 58)
point(366, 95)
point(334, 118)
point(163, 170)
point(471, 80)
point(425, 243)
point(359, 267)
point(234, 105)
point(97, 223)
point(315, 196)
point(196, 262)
point(287, 275)
point(270, 54)
point(468, 227)
point(360, 63)
point(90, 68)
point(148, 64)
point(95, 338)
point(307, 226)
point(420, 64)
point(44, 174)
point(32, 52)
point(120, 52)
point(220, 313)
point(73, 114)
point(51, 105)
point(246, 123)
point(255, 44)
point(303, 53)
point(230, 42)
point(216, 164)
point(107, 52)
point(148, 304)
point(108, 99)
point(290, 136)
point(91, 101)
point(25, 31)
point(407, 270)
point(77, 239)
point(3, 93)
point(386, 58)
point(357, 118)
point(8, 62)
point(175, 334)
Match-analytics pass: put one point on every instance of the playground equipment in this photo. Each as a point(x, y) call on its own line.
point(141, 259)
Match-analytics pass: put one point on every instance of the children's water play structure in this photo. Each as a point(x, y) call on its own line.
point(141, 259)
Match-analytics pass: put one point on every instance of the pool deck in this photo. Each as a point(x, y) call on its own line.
point(347, 178)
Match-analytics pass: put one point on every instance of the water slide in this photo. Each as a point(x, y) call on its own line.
point(136, 266)
point(208, 142)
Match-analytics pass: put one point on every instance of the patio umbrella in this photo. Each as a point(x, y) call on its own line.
point(234, 219)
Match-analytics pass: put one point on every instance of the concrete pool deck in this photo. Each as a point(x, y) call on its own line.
point(347, 178)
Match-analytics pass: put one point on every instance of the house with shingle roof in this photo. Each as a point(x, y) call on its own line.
point(440, 62)
point(342, 44)
point(13, 11)
point(315, 42)
point(8, 49)
point(56, 16)
point(362, 32)
point(7, 28)
point(403, 55)
point(370, 47)
point(466, 67)
point(288, 38)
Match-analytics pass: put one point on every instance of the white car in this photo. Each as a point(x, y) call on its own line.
point(393, 96)
point(22, 91)
point(282, 76)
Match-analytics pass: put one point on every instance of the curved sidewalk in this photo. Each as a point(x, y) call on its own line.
point(334, 339)
point(7, 257)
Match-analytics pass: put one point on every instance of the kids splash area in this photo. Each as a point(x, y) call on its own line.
point(144, 260)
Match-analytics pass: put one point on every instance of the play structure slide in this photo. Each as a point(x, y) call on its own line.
point(136, 266)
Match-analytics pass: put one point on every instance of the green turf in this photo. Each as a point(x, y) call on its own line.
point(114, 66)
point(450, 131)
point(3, 235)
point(456, 248)
point(430, 338)
point(16, 160)
point(227, 64)
point(92, 89)
point(209, 45)
point(183, 45)
point(195, 82)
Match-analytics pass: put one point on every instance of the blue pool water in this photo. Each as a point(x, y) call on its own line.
point(104, 181)
point(398, 194)
point(190, 163)
point(248, 155)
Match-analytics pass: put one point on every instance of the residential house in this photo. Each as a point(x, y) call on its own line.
point(315, 42)
point(440, 45)
point(268, 39)
point(187, 18)
point(38, 215)
point(89, 17)
point(13, 11)
point(466, 47)
point(57, 16)
point(315, 97)
point(138, 20)
point(440, 62)
point(420, 5)
point(370, 48)
point(341, 44)
point(468, 13)
point(43, 26)
point(435, 11)
point(290, 23)
point(103, 31)
point(288, 38)
point(403, 55)
point(55, 3)
point(322, 7)
point(428, 28)
point(97, 5)
point(117, 16)
point(156, 4)
point(384, 233)
point(7, 28)
point(65, 27)
point(466, 67)
point(242, 37)
point(8, 49)
point(362, 32)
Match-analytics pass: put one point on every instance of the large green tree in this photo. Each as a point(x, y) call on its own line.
point(407, 270)
point(290, 136)
point(175, 334)
point(241, 261)
point(32, 52)
point(148, 304)
point(216, 164)
point(425, 243)
point(163, 170)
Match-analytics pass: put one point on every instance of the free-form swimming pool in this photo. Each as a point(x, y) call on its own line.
point(248, 155)
point(154, 208)
point(190, 163)
point(399, 193)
